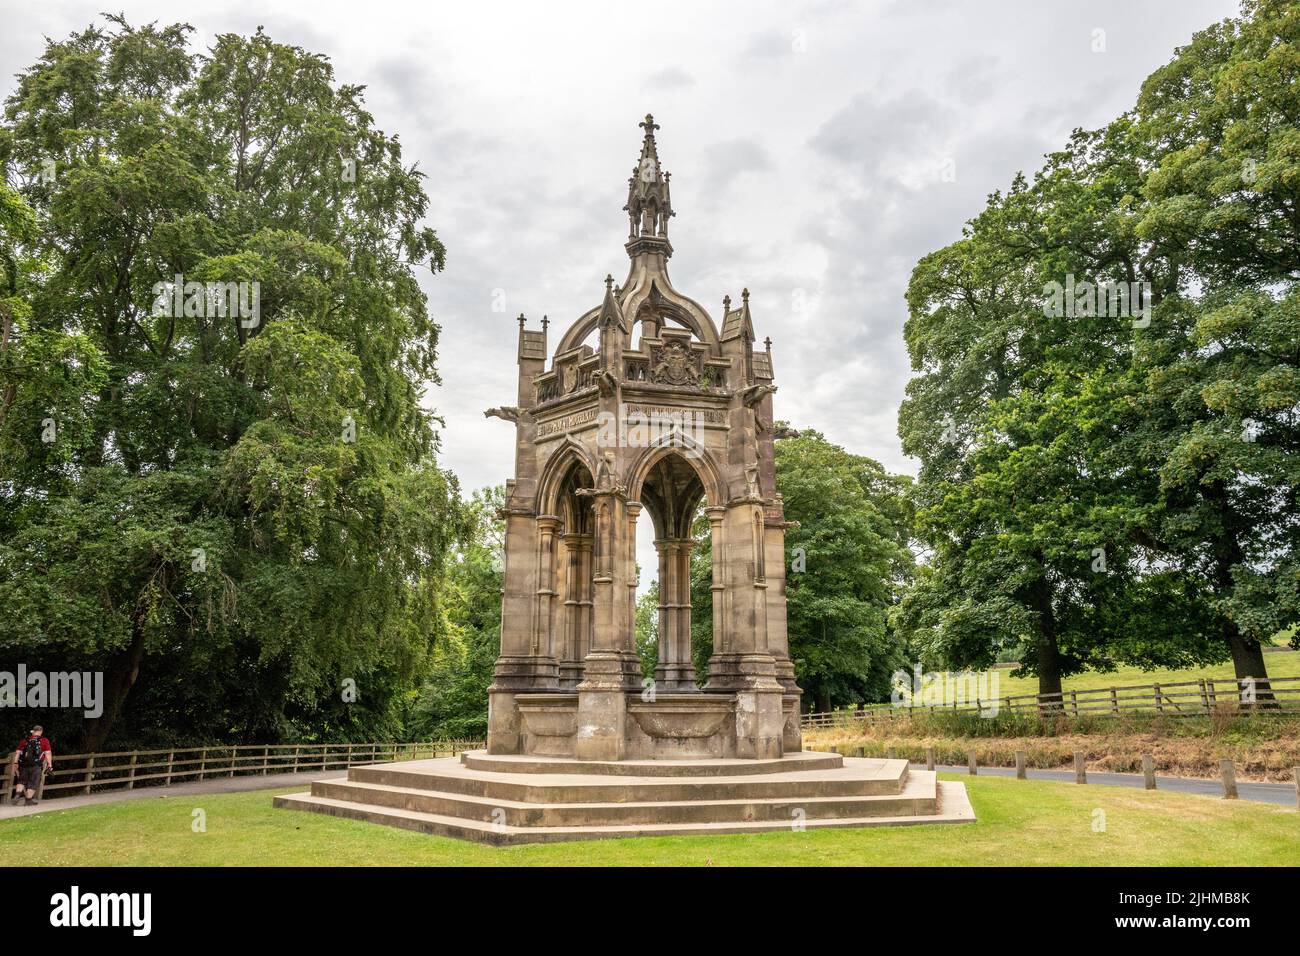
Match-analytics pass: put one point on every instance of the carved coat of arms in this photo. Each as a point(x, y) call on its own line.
point(675, 366)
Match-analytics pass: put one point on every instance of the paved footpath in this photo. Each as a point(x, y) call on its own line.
point(1279, 793)
point(1276, 793)
point(270, 781)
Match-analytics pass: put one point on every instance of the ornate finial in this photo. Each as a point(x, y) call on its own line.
point(768, 343)
point(649, 205)
point(521, 321)
point(545, 322)
point(609, 282)
point(726, 305)
point(744, 296)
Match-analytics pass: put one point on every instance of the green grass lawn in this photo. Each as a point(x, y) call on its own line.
point(1019, 823)
point(1279, 663)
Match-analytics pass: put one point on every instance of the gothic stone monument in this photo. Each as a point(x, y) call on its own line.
point(662, 412)
point(646, 410)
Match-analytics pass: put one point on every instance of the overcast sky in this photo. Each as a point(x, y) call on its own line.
point(818, 149)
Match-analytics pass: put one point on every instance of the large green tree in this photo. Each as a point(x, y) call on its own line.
point(453, 702)
point(239, 519)
point(1099, 487)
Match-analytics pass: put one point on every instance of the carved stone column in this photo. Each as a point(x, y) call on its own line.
point(611, 668)
point(576, 608)
point(675, 672)
point(745, 665)
point(544, 642)
point(523, 666)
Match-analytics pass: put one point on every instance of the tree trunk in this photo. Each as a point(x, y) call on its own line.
point(119, 677)
point(1247, 655)
point(1248, 661)
point(1048, 652)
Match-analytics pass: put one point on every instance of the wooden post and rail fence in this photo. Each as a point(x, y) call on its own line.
point(1270, 696)
point(127, 769)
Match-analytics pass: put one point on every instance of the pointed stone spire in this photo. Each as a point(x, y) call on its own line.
point(649, 205)
point(610, 311)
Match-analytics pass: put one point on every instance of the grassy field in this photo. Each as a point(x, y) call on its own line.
point(1019, 823)
point(1279, 663)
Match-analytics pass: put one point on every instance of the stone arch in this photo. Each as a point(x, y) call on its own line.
point(697, 456)
point(658, 295)
point(556, 470)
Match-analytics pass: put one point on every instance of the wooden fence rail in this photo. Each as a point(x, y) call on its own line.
point(1256, 696)
point(82, 773)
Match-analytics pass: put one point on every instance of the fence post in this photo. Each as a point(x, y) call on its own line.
point(1074, 704)
point(266, 758)
point(1149, 771)
point(1295, 772)
point(171, 759)
point(929, 760)
point(1229, 779)
point(349, 758)
point(11, 781)
point(1205, 696)
point(233, 752)
point(296, 750)
point(970, 763)
point(1080, 768)
point(1020, 765)
point(90, 773)
point(203, 763)
point(1160, 702)
point(891, 753)
point(130, 779)
point(1114, 701)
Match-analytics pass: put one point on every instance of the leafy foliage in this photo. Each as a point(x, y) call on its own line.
point(202, 524)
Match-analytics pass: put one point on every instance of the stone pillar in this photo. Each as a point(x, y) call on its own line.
point(633, 512)
point(577, 608)
point(611, 668)
point(544, 643)
point(523, 666)
point(717, 587)
point(746, 666)
point(778, 641)
point(676, 670)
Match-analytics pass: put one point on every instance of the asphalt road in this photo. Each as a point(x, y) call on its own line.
point(1279, 793)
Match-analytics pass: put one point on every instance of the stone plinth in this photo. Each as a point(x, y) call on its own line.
point(534, 799)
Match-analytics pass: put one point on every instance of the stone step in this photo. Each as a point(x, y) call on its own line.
point(511, 763)
point(854, 778)
point(954, 807)
point(919, 798)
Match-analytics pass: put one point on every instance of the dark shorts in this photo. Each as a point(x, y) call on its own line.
point(30, 777)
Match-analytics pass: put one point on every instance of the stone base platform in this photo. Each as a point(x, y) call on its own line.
point(506, 799)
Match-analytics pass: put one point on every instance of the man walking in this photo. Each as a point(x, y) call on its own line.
point(32, 759)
